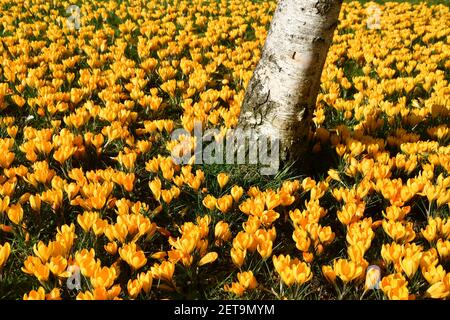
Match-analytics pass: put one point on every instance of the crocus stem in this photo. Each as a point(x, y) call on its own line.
point(343, 292)
point(364, 292)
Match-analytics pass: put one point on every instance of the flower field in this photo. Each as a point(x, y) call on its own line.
point(92, 205)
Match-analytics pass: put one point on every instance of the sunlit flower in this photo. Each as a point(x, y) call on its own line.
point(222, 179)
point(208, 258)
point(348, 270)
point(5, 250)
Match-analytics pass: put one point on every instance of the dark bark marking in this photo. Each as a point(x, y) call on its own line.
point(318, 39)
point(265, 101)
point(323, 6)
point(272, 59)
point(293, 56)
point(299, 36)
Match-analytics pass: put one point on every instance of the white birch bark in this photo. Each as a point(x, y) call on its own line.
point(281, 95)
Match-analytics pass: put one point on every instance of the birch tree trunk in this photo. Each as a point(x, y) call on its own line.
point(281, 95)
